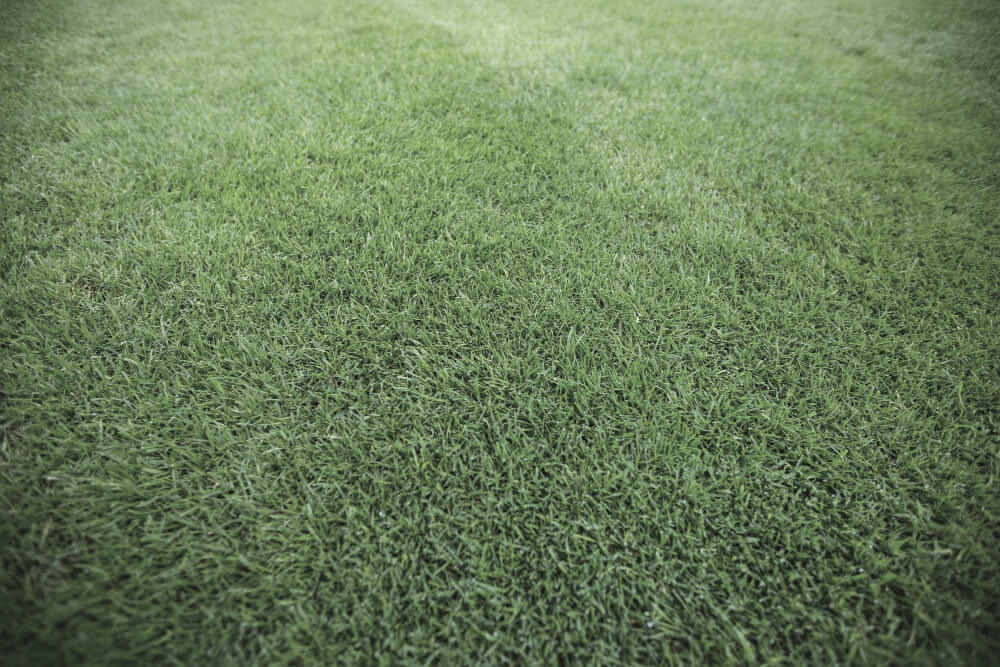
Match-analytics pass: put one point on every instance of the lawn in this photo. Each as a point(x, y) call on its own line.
point(499, 332)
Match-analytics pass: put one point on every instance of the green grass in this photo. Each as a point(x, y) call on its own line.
point(499, 332)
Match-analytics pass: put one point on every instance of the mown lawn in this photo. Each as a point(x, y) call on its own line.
point(441, 331)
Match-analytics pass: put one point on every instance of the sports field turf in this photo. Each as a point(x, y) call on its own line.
point(442, 331)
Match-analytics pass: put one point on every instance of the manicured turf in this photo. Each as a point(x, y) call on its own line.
point(499, 332)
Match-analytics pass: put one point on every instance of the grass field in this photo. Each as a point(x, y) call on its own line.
point(441, 331)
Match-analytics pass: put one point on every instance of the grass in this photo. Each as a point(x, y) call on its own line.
point(499, 332)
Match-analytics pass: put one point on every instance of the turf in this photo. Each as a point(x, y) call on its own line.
point(440, 331)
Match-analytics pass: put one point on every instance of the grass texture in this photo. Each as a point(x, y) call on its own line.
point(452, 332)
